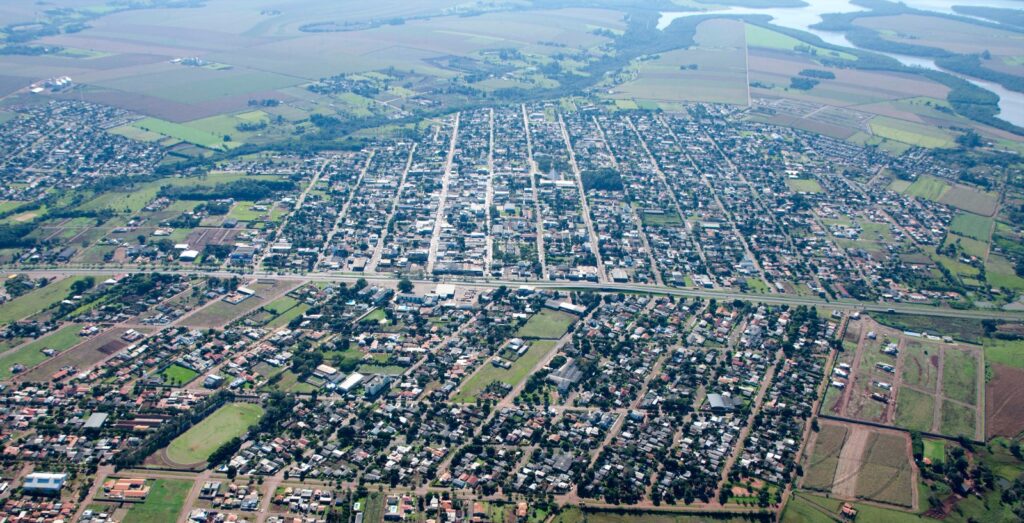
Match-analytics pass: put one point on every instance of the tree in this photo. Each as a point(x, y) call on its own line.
point(404, 286)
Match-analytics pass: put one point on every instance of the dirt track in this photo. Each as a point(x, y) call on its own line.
point(850, 461)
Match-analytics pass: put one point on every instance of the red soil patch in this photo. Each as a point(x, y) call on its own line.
point(1004, 402)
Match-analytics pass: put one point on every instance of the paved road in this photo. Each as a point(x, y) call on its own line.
point(391, 279)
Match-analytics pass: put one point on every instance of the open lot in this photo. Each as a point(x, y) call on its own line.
point(165, 500)
point(887, 474)
point(547, 324)
point(198, 442)
point(1004, 402)
point(488, 373)
point(821, 468)
point(37, 300)
point(85, 354)
point(30, 354)
point(871, 463)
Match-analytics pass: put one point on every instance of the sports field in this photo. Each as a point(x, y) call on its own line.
point(198, 442)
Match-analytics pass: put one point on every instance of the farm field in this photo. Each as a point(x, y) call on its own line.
point(972, 226)
point(488, 373)
point(198, 442)
point(183, 133)
point(1004, 401)
point(821, 468)
point(547, 324)
point(886, 475)
point(911, 133)
point(712, 71)
point(927, 187)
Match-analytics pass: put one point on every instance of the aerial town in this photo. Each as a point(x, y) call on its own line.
point(531, 261)
point(516, 314)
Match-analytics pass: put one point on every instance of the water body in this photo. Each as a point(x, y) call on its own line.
point(1011, 103)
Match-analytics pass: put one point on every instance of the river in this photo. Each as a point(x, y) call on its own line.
point(1011, 104)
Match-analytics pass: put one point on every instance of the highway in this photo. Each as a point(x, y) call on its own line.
point(387, 278)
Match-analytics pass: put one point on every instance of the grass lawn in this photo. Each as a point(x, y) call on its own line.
point(36, 300)
point(198, 442)
point(1005, 352)
point(375, 316)
point(290, 383)
point(164, 502)
point(280, 305)
point(182, 132)
point(178, 375)
point(960, 376)
point(935, 449)
point(914, 409)
point(31, 354)
point(910, 133)
point(807, 508)
point(927, 187)
point(488, 373)
point(1000, 273)
point(547, 323)
point(957, 420)
point(661, 219)
point(287, 316)
point(803, 185)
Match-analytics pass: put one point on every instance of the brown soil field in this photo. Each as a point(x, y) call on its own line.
point(1004, 402)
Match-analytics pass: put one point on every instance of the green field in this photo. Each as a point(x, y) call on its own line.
point(183, 133)
point(287, 316)
point(488, 373)
point(31, 354)
point(960, 376)
point(198, 442)
point(957, 420)
point(910, 133)
point(760, 37)
point(803, 185)
point(927, 187)
point(164, 503)
point(807, 508)
point(1005, 352)
point(547, 324)
point(1000, 273)
point(972, 226)
point(821, 469)
point(935, 449)
point(178, 375)
point(36, 300)
point(914, 410)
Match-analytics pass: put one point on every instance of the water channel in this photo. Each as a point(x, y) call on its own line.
point(1011, 103)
